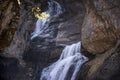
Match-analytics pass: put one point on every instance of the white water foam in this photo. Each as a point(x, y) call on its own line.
point(67, 66)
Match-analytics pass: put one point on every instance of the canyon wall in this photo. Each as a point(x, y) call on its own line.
point(96, 23)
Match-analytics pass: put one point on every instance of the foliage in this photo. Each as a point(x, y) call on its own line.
point(39, 15)
point(18, 2)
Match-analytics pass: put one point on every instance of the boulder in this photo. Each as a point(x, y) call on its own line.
point(103, 67)
point(100, 29)
point(100, 34)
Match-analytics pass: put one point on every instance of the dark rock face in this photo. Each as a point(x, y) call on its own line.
point(33, 55)
point(26, 25)
point(101, 26)
point(10, 69)
point(22, 36)
point(43, 4)
point(9, 16)
point(69, 31)
point(42, 52)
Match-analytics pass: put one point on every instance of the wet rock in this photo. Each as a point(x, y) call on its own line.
point(69, 31)
point(40, 54)
point(100, 29)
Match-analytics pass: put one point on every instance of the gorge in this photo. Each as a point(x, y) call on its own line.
point(60, 40)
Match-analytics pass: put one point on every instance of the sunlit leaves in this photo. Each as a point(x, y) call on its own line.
point(39, 15)
point(18, 2)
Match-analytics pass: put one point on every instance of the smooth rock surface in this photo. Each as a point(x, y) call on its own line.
point(100, 29)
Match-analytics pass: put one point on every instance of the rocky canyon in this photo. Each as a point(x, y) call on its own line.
point(35, 33)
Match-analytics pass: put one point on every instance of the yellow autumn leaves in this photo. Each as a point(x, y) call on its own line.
point(37, 13)
point(42, 16)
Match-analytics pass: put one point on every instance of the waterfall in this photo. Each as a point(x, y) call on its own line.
point(68, 65)
point(70, 61)
point(54, 8)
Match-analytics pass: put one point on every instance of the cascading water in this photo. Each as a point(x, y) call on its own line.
point(54, 9)
point(68, 65)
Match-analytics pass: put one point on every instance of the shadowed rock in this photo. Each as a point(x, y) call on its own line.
point(9, 17)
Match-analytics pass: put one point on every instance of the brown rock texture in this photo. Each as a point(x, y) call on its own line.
point(21, 38)
point(100, 29)
point(100, 34)
point(103, 67)
point(9, 17)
